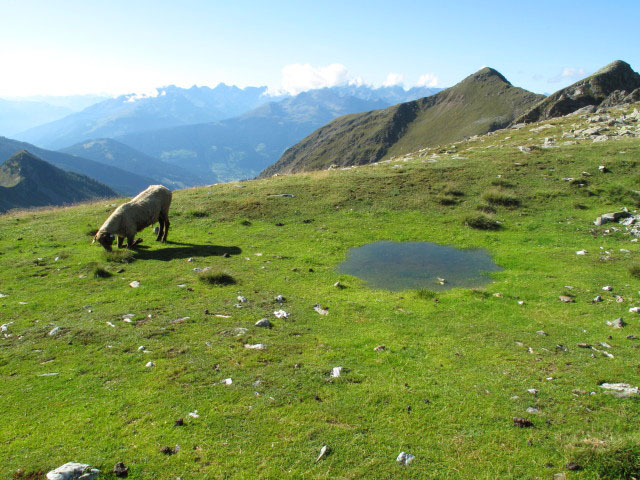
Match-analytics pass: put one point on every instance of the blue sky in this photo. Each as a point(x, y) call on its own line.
point(75, 47)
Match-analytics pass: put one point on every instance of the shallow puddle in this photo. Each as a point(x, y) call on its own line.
point(414, 265)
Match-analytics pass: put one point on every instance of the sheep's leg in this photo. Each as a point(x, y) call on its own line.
point(132, 242)
point(166, 229)
point(161, 229)
point(120, 240)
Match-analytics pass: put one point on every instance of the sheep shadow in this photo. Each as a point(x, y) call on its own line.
point(184, 250)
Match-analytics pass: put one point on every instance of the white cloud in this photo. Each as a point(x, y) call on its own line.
point(568, 73)
point(571, 72)
point(300, 77)
point(428, 80)
point(393, 79)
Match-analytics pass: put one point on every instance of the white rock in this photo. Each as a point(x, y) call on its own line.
point(73, 471)
point(532, 410)
point(2, 295)
point(624, 388)
point(227, 381)
point(242, 299)
point(405, 458)
point(281, 314)
point(607, 288)
point(256, 346)
point(581, 252)
point(5, 327)
point(141, 347)
point(53, 374)
point(53, 332)
point(634, 310)
point(532, 391)
point(194, 414)
point(150, 364)
point(336, 371)
point(280, 299)
point(111, 324)
point(134, 284)
point(320, 310)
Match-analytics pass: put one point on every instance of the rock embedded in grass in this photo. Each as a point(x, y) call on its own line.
point(264, 322)
point(566, 299)
point(73, 471)
point(405, 458)
point(321, 310)
point(134, 284)
point(121, 470)
point(617, 323)
point(522, 422)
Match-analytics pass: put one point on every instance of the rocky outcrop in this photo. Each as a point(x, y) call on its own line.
point(614, 84)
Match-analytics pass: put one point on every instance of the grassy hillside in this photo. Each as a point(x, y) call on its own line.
point(123, 182)
point(27, 181)
point(458, 366)
point(480, 103)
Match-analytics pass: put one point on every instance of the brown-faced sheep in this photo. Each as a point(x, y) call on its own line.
point(145, 209)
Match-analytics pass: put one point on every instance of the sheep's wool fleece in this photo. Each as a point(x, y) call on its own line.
point(140, 212)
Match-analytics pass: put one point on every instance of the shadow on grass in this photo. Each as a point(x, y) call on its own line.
point(171, 250)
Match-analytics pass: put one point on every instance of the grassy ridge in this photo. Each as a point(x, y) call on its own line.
point(462, 362)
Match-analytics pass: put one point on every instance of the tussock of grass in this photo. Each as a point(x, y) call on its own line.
point(197, 213)
point(497, 197)
point(621, 462)
point(101, 272)
point(425, 294)
point(447, 201)
point(119, 256)
point(486, 209)
point(245, 223)
point(634, 270)
point(453, 191)
point(501, 182)
point(482, 222)
point(212, 277)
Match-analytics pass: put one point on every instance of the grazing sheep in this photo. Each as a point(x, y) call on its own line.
point(145, 209)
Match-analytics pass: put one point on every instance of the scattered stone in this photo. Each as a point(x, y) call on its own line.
point(617, 323)
point(179, 422)
point(532, 391)
point(280, 299)
point(520, 302)
point(498, 295)
point(573, 466)
point(631, 337)
point(323, 453)
point(150, 365)
point(73, 471)
point(405, 458)
point(339, 285)
point(581, 252)
point(607, 288)
point(194, 414)
point(603, 169)
point(190, 259)
point(566, 299)
point(560, 476)
point(239, 331)
point(336, 371)
point(522, 422)
point(141, 348)
point(285, 195)
point(634, 310)
point(281, 314)
point(532, 410)
point(54, 331)
point(321, 310)
point(256, 346)
point(179, 320)
point(225, 255)
point(111, 324)
point(264, 322)
point(242, 299)
point(53, 374)
point(120, 470)
point(621, 390)
point(542, 332)
point(3, 295)
point(597, 299)
point(380, 348)
point(134, 284)
point(577, 391)
point(227, 381)
point(584, 345)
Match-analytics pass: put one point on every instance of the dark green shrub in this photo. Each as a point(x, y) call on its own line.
point(634, 270)
point(447, 201)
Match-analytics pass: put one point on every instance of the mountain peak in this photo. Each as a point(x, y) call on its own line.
point(615, 66)
point(487, 74)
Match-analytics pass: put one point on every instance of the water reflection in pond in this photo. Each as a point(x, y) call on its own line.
point(413, 265)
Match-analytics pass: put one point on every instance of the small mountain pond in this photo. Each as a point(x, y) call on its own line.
point(413, 265)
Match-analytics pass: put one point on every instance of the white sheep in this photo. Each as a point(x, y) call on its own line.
point(145, 209)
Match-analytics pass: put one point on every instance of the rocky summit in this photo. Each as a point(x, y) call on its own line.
point(614, 84)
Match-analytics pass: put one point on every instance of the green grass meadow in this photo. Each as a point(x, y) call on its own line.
point(456, 369)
